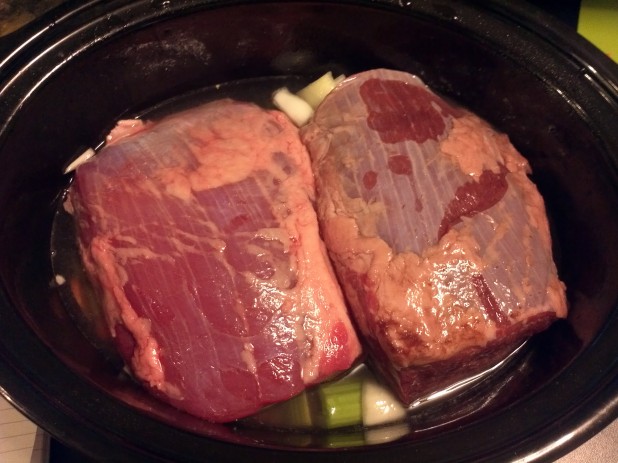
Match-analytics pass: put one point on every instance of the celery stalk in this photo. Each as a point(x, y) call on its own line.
point(335, 440)
point(293, 413)
point(341, 403)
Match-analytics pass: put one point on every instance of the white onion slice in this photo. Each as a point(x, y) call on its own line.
point(82, 158)
point(297, 109)
point(317, 90)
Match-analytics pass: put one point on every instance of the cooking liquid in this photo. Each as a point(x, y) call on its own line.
point(80, 299)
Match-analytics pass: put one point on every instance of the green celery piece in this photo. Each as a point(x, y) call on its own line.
point(293, 413)
point(341, 403)
point(335, 440)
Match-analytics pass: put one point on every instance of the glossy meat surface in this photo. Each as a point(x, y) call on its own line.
point(438, 236)
point(200, 234)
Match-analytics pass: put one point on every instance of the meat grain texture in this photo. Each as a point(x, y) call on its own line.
point(200, 235)
point(438, 236)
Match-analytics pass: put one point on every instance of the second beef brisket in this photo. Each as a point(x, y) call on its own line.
point(440, 240)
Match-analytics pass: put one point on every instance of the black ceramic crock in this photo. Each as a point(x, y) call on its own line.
point(67, 78)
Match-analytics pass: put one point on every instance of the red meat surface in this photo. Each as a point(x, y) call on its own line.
point(200, 235)
point(440, 240)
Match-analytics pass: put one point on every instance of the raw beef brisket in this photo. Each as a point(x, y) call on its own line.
point(437, 235)
point(199, 232)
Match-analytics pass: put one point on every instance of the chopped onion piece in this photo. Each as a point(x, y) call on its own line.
point(317, 90)
point(82, 158)
point(297, 109)
point(379, 404)
point(386, 433)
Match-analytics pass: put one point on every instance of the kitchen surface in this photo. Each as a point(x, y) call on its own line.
point(22, 442)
